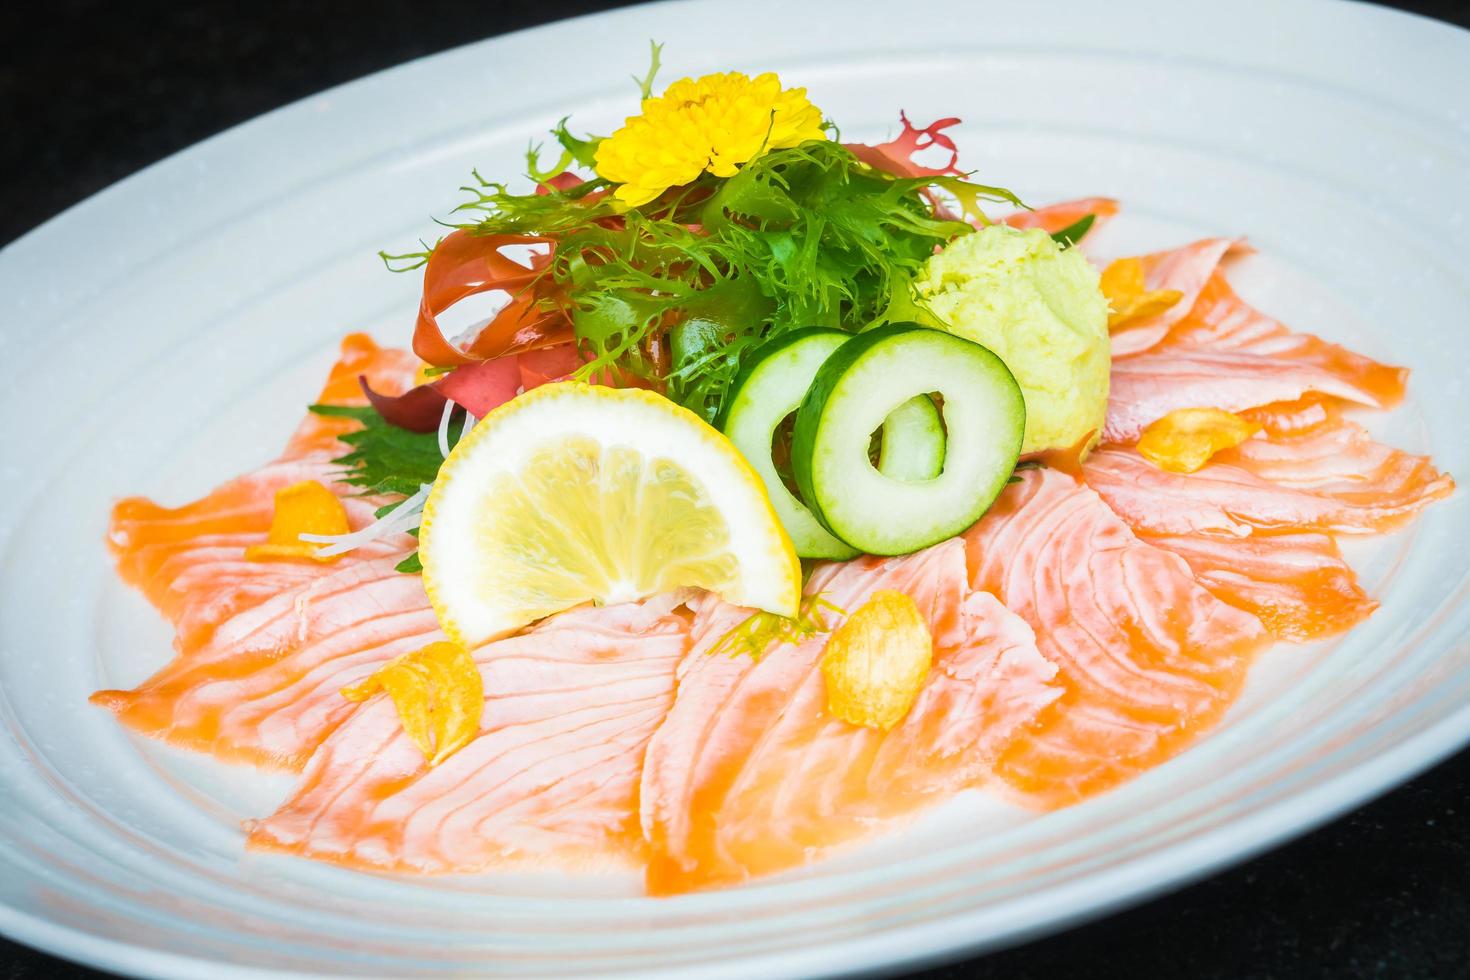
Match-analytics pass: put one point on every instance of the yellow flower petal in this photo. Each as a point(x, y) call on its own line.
point(302, 508)
point(714, 123)
point(1184, 440)
point(876, 662)
point(1129, 299)
point(438, 694)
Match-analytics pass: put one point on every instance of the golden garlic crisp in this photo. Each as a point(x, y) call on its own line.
point(438, 693)
point(1186, 439)
point(302, 508)
point(875, 663)
point(712, 123)
point(1128, 295)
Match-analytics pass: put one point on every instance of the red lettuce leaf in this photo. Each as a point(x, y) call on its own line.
point(464, 265)
point(896, 156)
point(479, 387)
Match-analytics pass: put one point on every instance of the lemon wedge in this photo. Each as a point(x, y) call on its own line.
point(573, 493)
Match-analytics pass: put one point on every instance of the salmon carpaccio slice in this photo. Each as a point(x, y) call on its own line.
point(265, 688)
point(1332, 478)
point(1057, 217)
point(190, 561)
point(1249, 523)
point(1188, 270)
point(1212, 349)
point(553, 775)
point(749, 775)
point(1297, 584)
point(147, 538)
point(1146, 387)
point(1221, 320)
point(262, 647)
point(1148, 659)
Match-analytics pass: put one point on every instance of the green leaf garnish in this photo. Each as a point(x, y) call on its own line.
point(1072, 234)
point(385, 458)
point(676, 291)
point(645, 84)
point(756, 634)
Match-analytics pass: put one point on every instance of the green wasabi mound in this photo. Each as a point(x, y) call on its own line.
point(1038, 307)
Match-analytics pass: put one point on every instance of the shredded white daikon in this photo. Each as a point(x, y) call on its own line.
point(403, 517)
point(444, 428)
point(469, 423)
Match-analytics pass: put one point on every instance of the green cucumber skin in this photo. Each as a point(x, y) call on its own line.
point(809, 537)
point(758, 356)
point(827, 385)
point(808, 416)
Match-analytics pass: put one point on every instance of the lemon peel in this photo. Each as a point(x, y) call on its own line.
point(1185, 440)
point(713, 123)
point(307, 507)
point(876, 663)
point(438, 693)
point(1129, 297)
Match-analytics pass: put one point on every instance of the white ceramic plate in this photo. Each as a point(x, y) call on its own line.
point(165, 334)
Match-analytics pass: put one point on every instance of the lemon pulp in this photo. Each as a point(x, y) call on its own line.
point(574, 493)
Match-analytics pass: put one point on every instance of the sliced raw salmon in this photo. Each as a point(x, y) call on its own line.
point(260, 643)
point(388, 370)
point(1221, 320)
point(1148, 659)
point(145, 537)
point(1186, 270)
point(749, 774)
point(1297, 583)
point(205, 585)
point(553, 774)
point(1298, 417)
point(263, 688)
point(171, 553)
point(1334, 478)
point(1340, 457)
point(1146, 387)
point(1056, 217)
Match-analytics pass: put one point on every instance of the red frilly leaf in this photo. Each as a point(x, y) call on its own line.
point(484, 386)
point(896, 156)
point(538, 367)
point(417, 409)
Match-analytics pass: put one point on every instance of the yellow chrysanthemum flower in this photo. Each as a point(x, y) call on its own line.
point(713, 123)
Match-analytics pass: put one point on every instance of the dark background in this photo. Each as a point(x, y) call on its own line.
point(91, 91)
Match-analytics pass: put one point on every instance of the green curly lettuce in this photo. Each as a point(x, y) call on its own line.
point(678, 290)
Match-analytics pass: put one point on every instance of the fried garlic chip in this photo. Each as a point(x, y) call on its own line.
point(438, 693)
point(876, 662)
point(1129, 297)
point(302, 508)
point(1186, 439)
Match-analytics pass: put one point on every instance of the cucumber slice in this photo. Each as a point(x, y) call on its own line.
point(771, 385)
point(913, 441)
point(857, 388)
point(767, 389)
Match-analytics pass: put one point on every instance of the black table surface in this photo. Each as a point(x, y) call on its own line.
point(91, 91)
